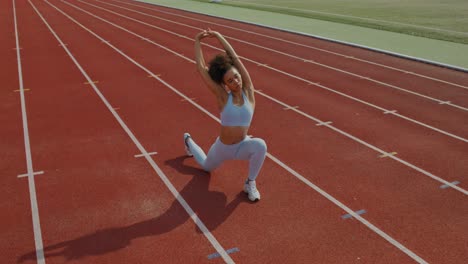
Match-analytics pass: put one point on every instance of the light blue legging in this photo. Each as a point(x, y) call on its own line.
point(251, 149)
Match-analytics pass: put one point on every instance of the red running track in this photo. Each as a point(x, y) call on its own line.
point(98, 203)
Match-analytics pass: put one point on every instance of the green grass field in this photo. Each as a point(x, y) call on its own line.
point(437, 19)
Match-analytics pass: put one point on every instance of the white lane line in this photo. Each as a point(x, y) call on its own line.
point(291, 107)
point(229, 251)
point(445, 102)
point(390, 112)
point(191, 98)
point(144, 155)
point(27, 147)
point(30, 174)
point(352, 74)
point(258, 63)
point(445, 186)
point(153, 164)
point(360, 212)
point(349, 211)
point(389, 154)
point(303, 179)
point(301, 45)
point(285, 106)
point(430, 175)
point(22, 90)
point(324, 123)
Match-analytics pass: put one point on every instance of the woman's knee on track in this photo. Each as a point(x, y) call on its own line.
point(259, 146)
point(211, 164)
point(208, 167)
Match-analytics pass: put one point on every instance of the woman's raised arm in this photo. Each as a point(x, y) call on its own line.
point(201, 65)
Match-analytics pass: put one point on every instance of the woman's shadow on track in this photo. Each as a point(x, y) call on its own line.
point(210, 206)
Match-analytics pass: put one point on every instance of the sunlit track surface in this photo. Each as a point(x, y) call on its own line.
point(283, 40)
point(319, 64)
point(283, 104)
point(356, 83)
point(293, 43)
point(330, 159)
point(326, 195)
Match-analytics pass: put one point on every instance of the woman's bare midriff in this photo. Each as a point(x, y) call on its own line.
point(232, 135)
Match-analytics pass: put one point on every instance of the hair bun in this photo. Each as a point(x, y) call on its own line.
point(219, 65)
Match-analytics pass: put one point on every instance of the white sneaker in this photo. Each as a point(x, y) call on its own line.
point(251, 188)
point(187, 148)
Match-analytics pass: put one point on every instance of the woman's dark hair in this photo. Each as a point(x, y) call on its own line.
point(219, 65)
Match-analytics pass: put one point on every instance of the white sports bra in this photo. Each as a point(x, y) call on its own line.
point(233, 115)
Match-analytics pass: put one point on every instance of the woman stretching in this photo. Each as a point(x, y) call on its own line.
point(230, 82)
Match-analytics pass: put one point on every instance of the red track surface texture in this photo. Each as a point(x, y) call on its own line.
point(396, 145)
